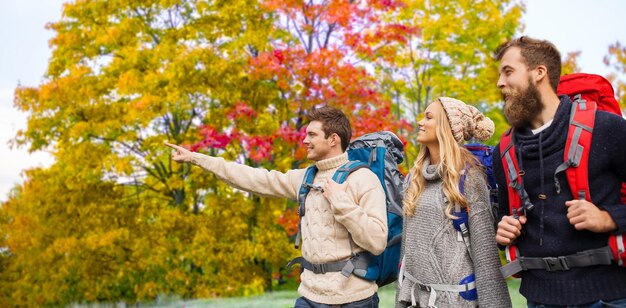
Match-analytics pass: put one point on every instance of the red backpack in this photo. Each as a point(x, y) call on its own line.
point(588, 93)
point(592, 88)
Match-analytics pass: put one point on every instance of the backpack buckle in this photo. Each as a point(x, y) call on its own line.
point(314, 187)
point(556, 264)
point(319, 268)
point(424, 287)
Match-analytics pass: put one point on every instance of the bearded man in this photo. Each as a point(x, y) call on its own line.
point(559, 225)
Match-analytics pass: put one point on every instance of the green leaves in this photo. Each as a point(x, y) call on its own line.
point(451, 55)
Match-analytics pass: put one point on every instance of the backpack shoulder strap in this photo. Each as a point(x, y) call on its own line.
point(576, 163)
point(518, 198)
point(513, 179)
point(342, 173)
point(305, 188)
point(577, 146)
point(462, 178)
point(461, 223)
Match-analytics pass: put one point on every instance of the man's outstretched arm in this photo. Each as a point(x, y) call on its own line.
point(255, 180)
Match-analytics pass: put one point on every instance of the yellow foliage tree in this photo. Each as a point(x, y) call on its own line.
point(113, 218)
point(452, 55)
point(616, 60)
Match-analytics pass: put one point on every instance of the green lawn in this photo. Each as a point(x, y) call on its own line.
point(284, 299)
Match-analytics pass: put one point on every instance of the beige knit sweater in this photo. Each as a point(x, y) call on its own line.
point(359, 212)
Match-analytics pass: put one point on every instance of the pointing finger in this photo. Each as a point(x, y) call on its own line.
point(173, 146)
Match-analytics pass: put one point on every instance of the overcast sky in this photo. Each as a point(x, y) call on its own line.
point(573, 25)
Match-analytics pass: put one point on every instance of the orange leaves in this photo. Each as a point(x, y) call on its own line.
point(289, 221)
point(241, 111)
point(320, 68)
point(145, 102)
point(341, 12)
point(128, 82)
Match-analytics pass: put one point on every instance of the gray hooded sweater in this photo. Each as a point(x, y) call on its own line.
point(432, 253)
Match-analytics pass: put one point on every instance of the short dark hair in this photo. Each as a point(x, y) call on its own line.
point(334, 121)
point(536, 52)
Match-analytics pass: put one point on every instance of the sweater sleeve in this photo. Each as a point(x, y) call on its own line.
point(362, 209)
point(617, 127)
point(255, 180)
point(490, 285)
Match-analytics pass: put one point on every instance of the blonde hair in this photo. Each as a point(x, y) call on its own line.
point(454, 158)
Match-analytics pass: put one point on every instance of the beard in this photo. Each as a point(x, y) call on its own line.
point(522, 107)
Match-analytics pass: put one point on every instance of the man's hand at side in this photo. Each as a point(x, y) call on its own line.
point(509, 229)
point(584, 215)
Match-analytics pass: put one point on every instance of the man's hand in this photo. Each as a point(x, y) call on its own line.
point(584, 215)
point(180, 154)
point(509, 229)
point(331, 187)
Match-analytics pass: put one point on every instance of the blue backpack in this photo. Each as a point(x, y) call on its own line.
point(381, 152)
point(484, 154)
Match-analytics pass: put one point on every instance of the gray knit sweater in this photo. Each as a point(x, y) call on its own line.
point(433, 255)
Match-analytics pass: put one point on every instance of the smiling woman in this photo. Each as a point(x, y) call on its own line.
point(427, 126)
point(449, 257)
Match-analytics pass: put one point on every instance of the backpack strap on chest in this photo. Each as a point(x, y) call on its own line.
point(305, 188)
point(342, 173)
point(358, 263)
point(340, 177)
point(577, 146)
point(519, 202)
point(461, 222)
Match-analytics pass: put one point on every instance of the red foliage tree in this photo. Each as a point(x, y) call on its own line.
point(320, 54)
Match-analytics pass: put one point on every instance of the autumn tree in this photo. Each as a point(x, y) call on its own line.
point(569, 64)
point(452, 55)
point(124, 77)
point(616, 60)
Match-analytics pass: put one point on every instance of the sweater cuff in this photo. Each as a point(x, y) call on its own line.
point(198, 158)
point(618, 214)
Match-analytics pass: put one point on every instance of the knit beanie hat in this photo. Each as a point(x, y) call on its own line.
point(466, 121)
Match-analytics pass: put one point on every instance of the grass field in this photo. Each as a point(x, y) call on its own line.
point(284, 299)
